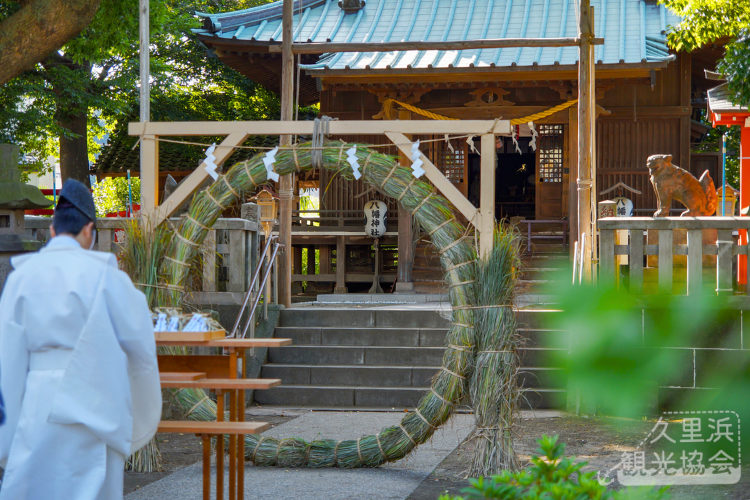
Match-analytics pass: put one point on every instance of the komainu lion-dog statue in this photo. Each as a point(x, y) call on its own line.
point(674, 183)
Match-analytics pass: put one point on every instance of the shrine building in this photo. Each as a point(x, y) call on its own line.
point(649, 100)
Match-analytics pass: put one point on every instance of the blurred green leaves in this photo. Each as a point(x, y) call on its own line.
point(633, 357)
point(111, 194)
point(552, 476)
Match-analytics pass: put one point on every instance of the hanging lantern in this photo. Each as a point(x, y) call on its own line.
point(624, 207)
point(268, 206)
point(376, 215)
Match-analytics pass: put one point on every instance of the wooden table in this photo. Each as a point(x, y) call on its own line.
point(225, 374)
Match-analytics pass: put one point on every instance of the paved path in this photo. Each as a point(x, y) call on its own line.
point(392, 481)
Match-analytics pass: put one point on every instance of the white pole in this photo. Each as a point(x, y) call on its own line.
point(145, 93)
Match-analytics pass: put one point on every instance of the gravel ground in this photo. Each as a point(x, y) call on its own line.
point(597, 440)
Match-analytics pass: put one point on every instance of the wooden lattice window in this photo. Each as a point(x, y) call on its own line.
point(452, 163)
point(550, 153)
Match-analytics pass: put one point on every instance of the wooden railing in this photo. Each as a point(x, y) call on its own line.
point(230, 251)
point(327, 219)
point(705, 236)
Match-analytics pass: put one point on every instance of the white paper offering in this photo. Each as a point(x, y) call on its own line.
point(161, 323)
point(174, 324)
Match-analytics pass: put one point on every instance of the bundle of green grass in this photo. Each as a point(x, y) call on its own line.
point(454, 243)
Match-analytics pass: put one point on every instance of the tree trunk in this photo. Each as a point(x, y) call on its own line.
point(39, 28)
point(74, 151)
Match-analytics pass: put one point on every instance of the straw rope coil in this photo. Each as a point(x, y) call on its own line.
point(449, 386)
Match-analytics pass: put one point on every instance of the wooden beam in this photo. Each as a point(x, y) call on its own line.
point(472, 75)
point(487, 194)
point(404, 281)
point(196, 178)
point(286, 182)
point(496, 43)
point(585, 124)
point(437, 178)
point(149, 175)
point(573, 176)
point(349, 127)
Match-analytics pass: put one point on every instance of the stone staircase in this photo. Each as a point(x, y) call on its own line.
point(383, 357)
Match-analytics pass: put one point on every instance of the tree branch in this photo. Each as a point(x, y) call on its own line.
point(40, 27)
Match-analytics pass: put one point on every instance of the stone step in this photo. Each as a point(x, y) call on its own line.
point(536, 319)
point(364, 318)
point(542, 378)
point(358, 375)
point(364, 355)
point(382, 397)
point(540, 338)
point(392, 356)
point(392, 376)
point(406, 337)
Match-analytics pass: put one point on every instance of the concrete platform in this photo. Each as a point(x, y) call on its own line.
point(395, 481)
point(380, 298)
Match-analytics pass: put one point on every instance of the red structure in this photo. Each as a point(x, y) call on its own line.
point(723, 112)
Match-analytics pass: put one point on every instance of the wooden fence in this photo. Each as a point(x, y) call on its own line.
point(706, 236)
point(230, 251)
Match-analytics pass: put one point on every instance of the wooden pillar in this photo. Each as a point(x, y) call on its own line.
point(286, 182)
point(405, 244)
point(573, 184)
point(487, 194)
point(592, 134)
point(340, 264)
point(149, 176)
point(744, 195)
point(585, 127)
point(685, 90)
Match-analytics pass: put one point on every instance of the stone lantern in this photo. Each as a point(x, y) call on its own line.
point(15, 197)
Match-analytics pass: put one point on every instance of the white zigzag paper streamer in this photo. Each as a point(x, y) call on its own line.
point(448, 142)
point(351, 157)
point(514, 131)
point(268, 162)
point(470, 142)
point(534, 135)
point(416, 158)
point(209, 161)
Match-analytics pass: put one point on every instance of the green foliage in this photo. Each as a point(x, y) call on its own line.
point(97, 73)
point(736, 66)
point(551, 476)
point(712, 142)
point(705, 21)
point(111, 194)
point(612, 362)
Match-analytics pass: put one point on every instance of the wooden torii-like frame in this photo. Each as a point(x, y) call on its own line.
point(483, 219)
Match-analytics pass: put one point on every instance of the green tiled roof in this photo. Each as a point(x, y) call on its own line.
point(634, 31)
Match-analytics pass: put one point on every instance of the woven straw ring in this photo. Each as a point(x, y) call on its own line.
point(252, 456)
point(235, 193)
point(296, 161)
point(249, 176)
point(407, 435)
point(377, 439)
point(208, 193)
point(406, 189)
point(395, 166)
point(367, 161)
point(426, 199)
point(359, 452)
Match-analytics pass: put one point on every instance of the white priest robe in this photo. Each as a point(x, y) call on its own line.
point(78, 373)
